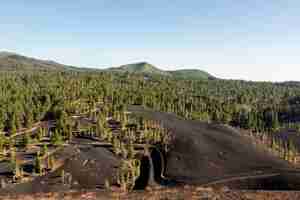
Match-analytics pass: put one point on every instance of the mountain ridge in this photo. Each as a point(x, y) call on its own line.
point(147, 68)
point(10, 61)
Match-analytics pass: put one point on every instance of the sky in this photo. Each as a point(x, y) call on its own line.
point(235, 39)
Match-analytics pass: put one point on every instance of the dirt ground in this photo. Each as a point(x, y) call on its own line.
point(183, 193)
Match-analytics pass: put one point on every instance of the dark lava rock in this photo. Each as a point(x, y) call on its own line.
point(201, 152)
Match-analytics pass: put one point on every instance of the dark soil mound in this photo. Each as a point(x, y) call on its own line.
point(92, 166)
point(200, 153)
point(284, 181)
point(81, 168)
point(203, 152)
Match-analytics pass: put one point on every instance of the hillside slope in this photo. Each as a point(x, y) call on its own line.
point(140, 68)
point(191, 74)
point(15, 62)
point(149, 69)
point(202, 153)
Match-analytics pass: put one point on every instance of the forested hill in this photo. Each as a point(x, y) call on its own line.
point(191, 74)
point(140, 68)
point(258, 106)
point(15, 62)
point(149, 69)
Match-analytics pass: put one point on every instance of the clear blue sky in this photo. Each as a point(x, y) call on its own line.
point(244, 39)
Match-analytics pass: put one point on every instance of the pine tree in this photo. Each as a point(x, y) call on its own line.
point(50, 161)
point(69, 133)
point(15, 164)
point(56, 138)
point(28, 118)
point(12, 123)
point(40, 134)
point(2, 142)
point(38, 164)
point(116, 145)
point(26, 140)
point(275, 121)
point(44, 150)
point(2, 120)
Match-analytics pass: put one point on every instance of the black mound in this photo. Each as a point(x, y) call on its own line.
point(84, 168)
point(202, 153)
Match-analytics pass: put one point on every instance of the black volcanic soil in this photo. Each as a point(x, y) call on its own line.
point(84, 167)
point(202, 153)
point(92, 166)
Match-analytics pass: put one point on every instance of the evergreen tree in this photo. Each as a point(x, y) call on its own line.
point(56, 138)
point(38, 164)
point(26, 140)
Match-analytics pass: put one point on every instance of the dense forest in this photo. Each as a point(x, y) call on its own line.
point(30, 97)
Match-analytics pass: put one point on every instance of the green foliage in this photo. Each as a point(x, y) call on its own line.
point(14, 163)
point(27, 97)
point(141, 68)
point(52, 95)
point(28, 118)
point(50, 161)
point(40, 134)
point(56, 138)
point(116, 145)
point(128, 173)
point(44, 150)
point(2, 142)
point(150, 70)
point(62, 175)
point(191, 74)
point(38, 164)
point(26, 140)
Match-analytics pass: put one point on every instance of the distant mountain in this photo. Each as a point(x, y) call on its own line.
point(191, 74)
point(15, 62)
point(140, 68)
point(149, 69)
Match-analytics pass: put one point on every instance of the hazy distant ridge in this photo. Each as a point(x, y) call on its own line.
point(15, 62)
point(146, 68)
